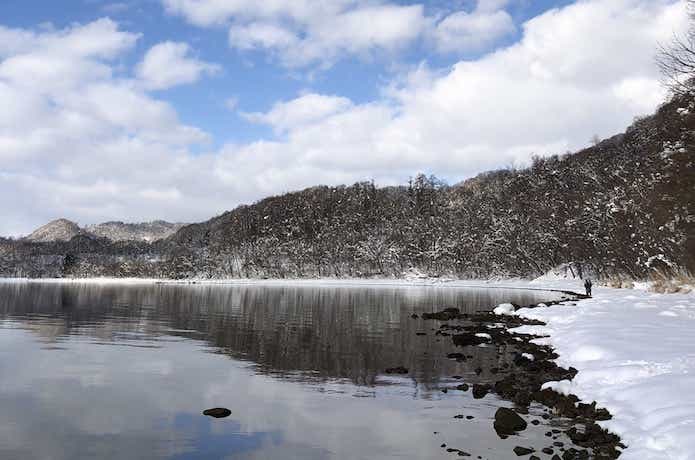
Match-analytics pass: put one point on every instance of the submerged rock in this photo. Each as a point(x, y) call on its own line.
point(397, 370)
point(218, 412)
point(508, 422)
point(480, 390)
point(521, 451)
point(444, 315)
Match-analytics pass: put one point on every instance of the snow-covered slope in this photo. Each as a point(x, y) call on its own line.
point(635, 352)
point(65, 230)
point(56, 230)
point(146, 231)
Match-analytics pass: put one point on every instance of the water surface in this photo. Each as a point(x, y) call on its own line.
point(124, 372)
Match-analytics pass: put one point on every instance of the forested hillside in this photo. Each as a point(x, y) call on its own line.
point(625, 206)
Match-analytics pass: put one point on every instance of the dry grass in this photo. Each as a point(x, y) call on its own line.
point(673, 281)
point(619, 282)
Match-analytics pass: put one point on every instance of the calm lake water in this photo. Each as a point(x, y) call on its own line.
point(124, 372)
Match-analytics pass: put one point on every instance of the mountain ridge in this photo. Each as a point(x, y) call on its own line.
point(622, 207)
point(63, 229)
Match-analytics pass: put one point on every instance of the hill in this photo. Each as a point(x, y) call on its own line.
point(55, 230)
point(623, 207)
point(146, 231)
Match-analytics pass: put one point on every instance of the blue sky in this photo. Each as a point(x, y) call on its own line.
point(181, 109)
point(253, 78)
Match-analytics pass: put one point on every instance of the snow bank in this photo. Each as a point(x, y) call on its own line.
point(635, 352)
point(504, 309)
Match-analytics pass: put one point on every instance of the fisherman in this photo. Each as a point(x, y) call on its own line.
point(587, 286)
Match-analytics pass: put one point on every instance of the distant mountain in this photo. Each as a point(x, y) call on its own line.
point(55, 230)
point(624, 207)
point(65, 230)
point(147, 231)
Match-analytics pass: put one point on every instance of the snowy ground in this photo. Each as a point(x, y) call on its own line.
point(635, 352)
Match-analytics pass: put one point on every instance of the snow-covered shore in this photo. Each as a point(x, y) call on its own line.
point(635, 352)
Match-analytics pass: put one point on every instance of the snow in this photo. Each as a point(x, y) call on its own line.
point(635, 353)
point(504, 309)
point(483, 335)
point(528, 356)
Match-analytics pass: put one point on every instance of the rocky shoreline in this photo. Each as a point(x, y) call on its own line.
point(521, 382)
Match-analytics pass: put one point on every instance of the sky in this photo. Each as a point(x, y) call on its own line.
point(137, 110)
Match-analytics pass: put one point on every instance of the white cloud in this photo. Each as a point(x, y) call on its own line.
point(474, 31)
point(303, 32)
point(168, 64)
point(75, 139)
point(70, 146)
point(305, 110)
point(261, 35)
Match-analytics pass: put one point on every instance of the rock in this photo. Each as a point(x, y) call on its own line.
point(218, 412)
point(444, 315)
point(397, 370)
point(508, 422)
point(479, 390)
point(464, 340)
point(414, 316)
point(521, 451)
point(463, 387)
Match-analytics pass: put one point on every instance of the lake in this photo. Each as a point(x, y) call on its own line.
point(118, 371)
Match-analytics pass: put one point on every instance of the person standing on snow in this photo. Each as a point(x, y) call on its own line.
point(587, 286)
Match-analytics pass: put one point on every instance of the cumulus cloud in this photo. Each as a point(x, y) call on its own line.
point(76, 139)
point(69, 146)
point(301, 33)
point(300, 112)
point(475, 31)
point(169, 64)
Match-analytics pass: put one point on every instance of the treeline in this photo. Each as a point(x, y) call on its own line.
point(625, 206)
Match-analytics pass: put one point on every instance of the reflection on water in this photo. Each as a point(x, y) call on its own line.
point(116, 371)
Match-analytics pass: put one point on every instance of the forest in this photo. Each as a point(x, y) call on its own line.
point(623, 207)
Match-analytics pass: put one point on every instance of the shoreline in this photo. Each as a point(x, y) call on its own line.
point(527, 379)
point(567, 287)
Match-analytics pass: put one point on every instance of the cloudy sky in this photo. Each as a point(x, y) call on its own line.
point(181, 109)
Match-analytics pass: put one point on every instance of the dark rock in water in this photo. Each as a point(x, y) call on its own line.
point(444, 315)
point(479, 390)
point(397, 370)
point(218, 412)
point(420, 333)
point(534, 457)
point(414, 316)
point(521, 451)
point(508, 422)
point(548, 450)
point(463, 387)
point(464, 340)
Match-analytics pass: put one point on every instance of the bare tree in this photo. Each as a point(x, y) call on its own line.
point(677, 59)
